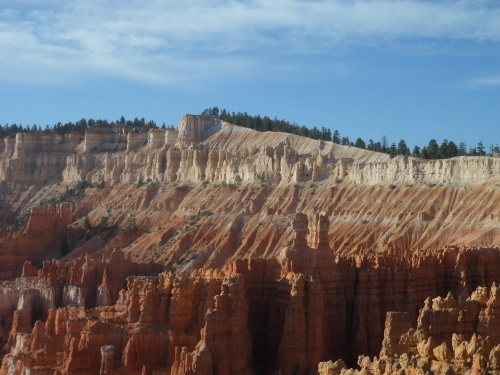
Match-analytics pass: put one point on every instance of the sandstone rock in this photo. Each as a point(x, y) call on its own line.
point(39, 156)
point(457, 340)
point(227, 154)
point(443, 353)
point(107, 362)
point(331, 368)
point(479, 364)
point(396, 324)
point(462, 356)
point(494, 359)
point(280, 252)
point(185, 315)
point(45, 232)
point(426, 348)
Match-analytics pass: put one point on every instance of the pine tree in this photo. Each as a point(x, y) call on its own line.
point(432, 149)
point(462, 149)
point(424, 154)
point(393, 150)
point(402, 148)
point(336, 137)
point(416, 151)
point(360, 143)
point(480, 148)
point(383, 142)
point(371, 145)
point(452, 149)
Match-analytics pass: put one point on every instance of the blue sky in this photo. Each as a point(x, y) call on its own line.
point(408, 69)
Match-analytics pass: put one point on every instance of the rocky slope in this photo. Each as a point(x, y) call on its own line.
point(451, 337)
point(214, 249)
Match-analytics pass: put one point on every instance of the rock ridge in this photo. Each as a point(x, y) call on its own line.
point(284, 314)
point(208, 149)
point(215, 249)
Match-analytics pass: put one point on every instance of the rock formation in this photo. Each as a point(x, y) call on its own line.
point(257, 315)
point(214, 249)
point(452, 336)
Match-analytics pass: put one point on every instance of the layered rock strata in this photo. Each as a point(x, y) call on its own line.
point(43, 238)
point(451, 337)
point(214, 249)
point(226, 191)
point(207, 149)
point(82, 283)
point(283, 314)
point(210, 150)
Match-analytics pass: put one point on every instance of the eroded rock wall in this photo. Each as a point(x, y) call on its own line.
point(207, 149)
point(452, 336)
point(283, 314)
point(36, 157)
point(42, 239)
point(214, 249)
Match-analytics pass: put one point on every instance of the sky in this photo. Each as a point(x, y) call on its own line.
point(406, 69)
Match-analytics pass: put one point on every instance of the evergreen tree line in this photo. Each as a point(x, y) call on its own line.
point(433, 150)
point(80, 126)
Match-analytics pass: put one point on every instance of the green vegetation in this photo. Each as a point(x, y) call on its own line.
point(70, 194)
point(130, 225)
point(80, 126)
point(87, 224)
point(447, 149)
point(267, 124)
point(433, 150)
point(104, 223)
point(182, 187)
point(141, 183)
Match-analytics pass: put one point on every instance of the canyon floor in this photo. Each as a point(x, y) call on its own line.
point(216, 249)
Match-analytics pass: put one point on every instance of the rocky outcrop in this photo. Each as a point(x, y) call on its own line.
point(200, 154)
point(214, 249)
point(253, 182)
point(195, 129)
point(44, 237)
point(207, 149)
point(452, 336)
point(35, 158)
point(225, 345)
point(283, 314)
point(82, 283)
point(331, 368)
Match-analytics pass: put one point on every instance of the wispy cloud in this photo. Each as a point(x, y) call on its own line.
point(168, 42)
point(483, 82)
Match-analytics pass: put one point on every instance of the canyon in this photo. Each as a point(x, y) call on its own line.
point(216, 249)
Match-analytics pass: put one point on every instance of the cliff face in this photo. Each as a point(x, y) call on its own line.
point(252, 183)
point(207, 149)
point(43, 238)
point(287, 322)
point(452, 336)
point(214, 249)
point(283, 314)
point(35, 157)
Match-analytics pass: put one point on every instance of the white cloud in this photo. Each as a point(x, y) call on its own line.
point(171, 41)
point(482, 82)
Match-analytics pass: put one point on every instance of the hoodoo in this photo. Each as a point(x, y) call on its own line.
point(217, 249)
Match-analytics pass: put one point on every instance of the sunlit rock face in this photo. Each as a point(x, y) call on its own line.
point(216, 249)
